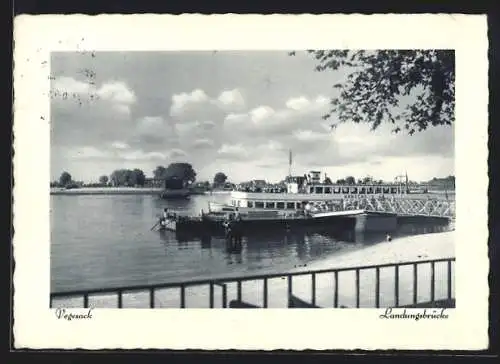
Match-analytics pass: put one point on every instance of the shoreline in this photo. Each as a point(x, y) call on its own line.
point(122, 191)
point(106, 191)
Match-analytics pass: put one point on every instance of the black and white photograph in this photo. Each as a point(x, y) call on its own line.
point(244, 179)
point(296, 177)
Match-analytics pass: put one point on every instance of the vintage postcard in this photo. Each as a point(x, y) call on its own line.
point(169, 169)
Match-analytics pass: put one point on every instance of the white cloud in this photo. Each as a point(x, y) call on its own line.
point(70, 86)
point(151, 125)
point(176, 153)
point(182, 100)
point(203, 144)
point(117, 92)
point(261, 113)
point(310, 136)
point(231, 100)
point(87, 152)
point(120, 145)
point(298, 103)
point(233, 119)
point(232, 151)
point(140, 155)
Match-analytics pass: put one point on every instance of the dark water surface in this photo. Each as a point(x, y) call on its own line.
point(105, 241)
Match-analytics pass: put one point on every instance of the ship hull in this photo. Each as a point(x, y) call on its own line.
point(213, 224)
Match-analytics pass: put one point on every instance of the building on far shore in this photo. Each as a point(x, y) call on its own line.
point(154, 183)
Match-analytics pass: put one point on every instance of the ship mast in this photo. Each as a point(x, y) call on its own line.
point(290, 163)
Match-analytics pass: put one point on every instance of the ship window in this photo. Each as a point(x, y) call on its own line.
point(362, 190)
point(280, 205)
point(370, 190)
point(386, 189)
point(269, 205)
point(259, 204)
point(239, 203)
point(393, 189)
point(319, 189)
point(345, 190)
point(328, 190)
point(311, 189)
point(249, 203)
point(336, 190)
point(290, 205)
point(354, 190)
point(378, 190)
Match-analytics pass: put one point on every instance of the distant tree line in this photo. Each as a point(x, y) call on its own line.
point(182, 175)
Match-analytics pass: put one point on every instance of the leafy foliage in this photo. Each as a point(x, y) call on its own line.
point(181, 171)
point(159, 172)
point(65, 179)
point(128, 178)
point(350, 180)
point(220, 178)
point(103, 180)
point(379, 81)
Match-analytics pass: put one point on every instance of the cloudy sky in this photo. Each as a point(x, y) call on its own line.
point(236, 112)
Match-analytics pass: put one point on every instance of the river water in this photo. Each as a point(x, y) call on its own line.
point(102, 241)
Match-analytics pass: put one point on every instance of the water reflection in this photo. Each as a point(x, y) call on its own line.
point(91, 250)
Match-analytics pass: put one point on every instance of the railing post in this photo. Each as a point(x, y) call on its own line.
point(433, 282)
point(449, 279)
point(183, 296)
point(415, 282)
point(151, 298)
point(357, 288)
point(120, 299)
point(290, 289)
point(224, 295)
point(336, 290)
point(86, 300)
point(377, 287)
point(396, 286)
point(313, 289)
point(265, 293)
point(238, 290)
point(211, 295)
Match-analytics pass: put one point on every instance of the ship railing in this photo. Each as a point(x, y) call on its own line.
point(57, 299)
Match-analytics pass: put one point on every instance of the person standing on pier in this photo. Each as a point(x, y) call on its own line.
point(307, 209)
point(163, 218)
point(237, 215)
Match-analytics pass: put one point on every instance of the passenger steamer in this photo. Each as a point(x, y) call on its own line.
point(301, 192)
point(305, 204)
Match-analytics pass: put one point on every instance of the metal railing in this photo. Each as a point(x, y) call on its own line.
point(151, 289)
